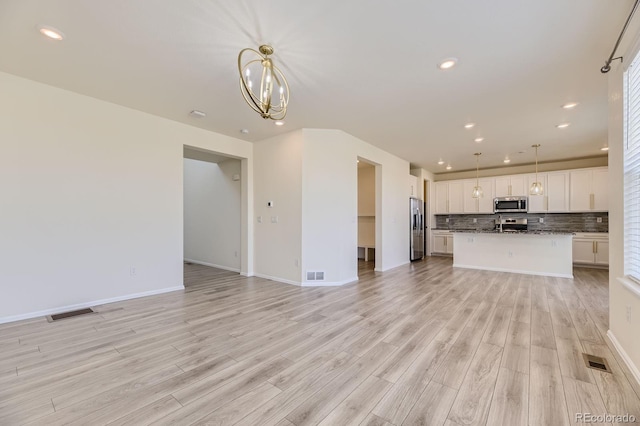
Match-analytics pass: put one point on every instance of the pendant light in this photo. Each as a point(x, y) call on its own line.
point(536, 187)
point(477, 190)
point(270, 97)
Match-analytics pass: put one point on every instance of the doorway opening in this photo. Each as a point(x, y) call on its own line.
point(212, 213)
point(366, 215)
point(427, 218)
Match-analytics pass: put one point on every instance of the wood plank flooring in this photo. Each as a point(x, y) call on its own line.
point(423, 344)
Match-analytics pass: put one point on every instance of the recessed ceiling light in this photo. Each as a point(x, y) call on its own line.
point(197, 114)
point(570, 105)
point(51, 32)
point(447, 63)
point(244, 131)
point(478, 140)
point(441, 162)
point(562, 125)
point(469, 125)
point(604, 148)
point(279, 123)
point(448, 167)
point(506, 160)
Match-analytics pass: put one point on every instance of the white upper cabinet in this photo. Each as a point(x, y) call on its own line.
point(442, 197)
point(483, 204)
point(449, 197)
point(600, 189)
point(588, 190)
point(413, 187)
point(511, 186)
point(456, 197)
point(579, 190)
point(556, 192)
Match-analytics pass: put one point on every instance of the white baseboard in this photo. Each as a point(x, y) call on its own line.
point(625, 357)
point(514, 271)
point(328, 283)
point(59, 309)
point(392, 267)
point(213, 265)
point(280, 280)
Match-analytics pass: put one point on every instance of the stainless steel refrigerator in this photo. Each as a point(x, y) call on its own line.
point(416, 238)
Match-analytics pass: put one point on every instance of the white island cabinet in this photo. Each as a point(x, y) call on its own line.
point(548, 254)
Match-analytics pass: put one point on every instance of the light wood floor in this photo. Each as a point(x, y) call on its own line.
point(422, 344)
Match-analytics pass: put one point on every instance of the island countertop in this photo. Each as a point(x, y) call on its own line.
point(493, 231)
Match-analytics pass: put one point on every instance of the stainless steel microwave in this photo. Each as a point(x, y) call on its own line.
point(510, 204)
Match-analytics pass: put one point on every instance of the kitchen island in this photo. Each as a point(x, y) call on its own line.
point(534, 253)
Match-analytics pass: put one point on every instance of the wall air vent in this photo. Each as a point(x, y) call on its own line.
point(315, 275)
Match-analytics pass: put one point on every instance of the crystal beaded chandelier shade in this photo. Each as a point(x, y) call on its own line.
point(263, 86)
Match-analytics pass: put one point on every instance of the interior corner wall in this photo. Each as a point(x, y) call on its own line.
point(625, 331)
point(330, 205)
point(278, 229)
point(212, 213)
point(91, 196)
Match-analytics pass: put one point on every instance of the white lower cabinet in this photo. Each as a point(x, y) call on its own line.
point(591, 249)
point(442, 242)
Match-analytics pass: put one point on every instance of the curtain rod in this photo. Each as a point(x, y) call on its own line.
point(607, 65)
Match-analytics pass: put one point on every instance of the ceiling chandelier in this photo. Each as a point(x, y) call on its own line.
point(270, 97)
point(477, 190)
point(536, 187)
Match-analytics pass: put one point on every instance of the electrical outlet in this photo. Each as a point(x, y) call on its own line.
point(541, 220)
point(274, 219)
point(259, 219)
point(629, 313)
point(235, 253)
point(132, 271)
point(447, 220)
point(510, 254)
point(475, 220)
point(599, 220)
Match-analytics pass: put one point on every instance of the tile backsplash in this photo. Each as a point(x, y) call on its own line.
point(571, 222)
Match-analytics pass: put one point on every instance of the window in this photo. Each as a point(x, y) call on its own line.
point(632, 171)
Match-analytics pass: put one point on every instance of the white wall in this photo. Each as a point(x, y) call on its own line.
point(212, 213)
point(278, 178)
point(89, 190)
point(623, 331)
point(330, 207)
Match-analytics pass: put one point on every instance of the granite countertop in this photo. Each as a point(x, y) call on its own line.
point(493, 231)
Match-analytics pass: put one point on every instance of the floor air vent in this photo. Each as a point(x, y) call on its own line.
point(69, 314)
point(597, 363)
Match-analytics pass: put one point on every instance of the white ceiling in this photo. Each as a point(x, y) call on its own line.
point(366, 67)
